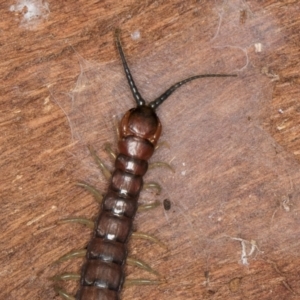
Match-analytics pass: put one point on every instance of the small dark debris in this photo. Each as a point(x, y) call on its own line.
point(167, 204)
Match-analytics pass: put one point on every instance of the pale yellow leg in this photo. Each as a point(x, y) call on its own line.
point(140, 264)
point(161, 164)
point(162, 144)
point(145, 236)
point(140, 281)
point(97, 195)
point(71, 255)
point(148, 206)
point(83, 221)
point(152, 185)
point(99, 162)
point(63, 293)
point(109, 150)
point(66, 276)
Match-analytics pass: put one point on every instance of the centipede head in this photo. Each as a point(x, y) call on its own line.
point(142, 122)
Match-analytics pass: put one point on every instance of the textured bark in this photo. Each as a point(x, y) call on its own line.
point(233, 143)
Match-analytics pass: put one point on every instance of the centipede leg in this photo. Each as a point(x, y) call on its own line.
point(140, 281)
point(109, 150)
point(101, 165)
point(63, 293)
point(152, 185)
point(148, 206)
point(161, 164)
point(66, 276)
point(71, 255)
point(87, 222)
point(140, 264)
point(162, 144)
point(97, 194)
point(148, 237)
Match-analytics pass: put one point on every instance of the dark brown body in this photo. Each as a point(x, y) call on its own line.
point(103, 274)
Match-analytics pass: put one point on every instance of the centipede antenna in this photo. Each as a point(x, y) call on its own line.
point(158, 101)
point(136, 95)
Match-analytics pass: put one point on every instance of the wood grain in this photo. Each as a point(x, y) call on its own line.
point(239, 186)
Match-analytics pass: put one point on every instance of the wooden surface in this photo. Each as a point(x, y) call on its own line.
point(233, 229)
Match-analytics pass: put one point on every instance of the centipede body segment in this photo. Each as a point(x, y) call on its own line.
point(102, 275)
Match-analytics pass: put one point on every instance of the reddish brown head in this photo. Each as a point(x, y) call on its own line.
point(141, 122)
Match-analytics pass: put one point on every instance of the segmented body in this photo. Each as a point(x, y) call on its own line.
point(103, 274)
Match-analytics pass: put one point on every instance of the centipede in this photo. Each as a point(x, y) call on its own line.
point(103, 273)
